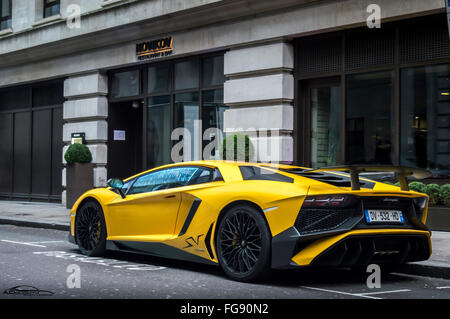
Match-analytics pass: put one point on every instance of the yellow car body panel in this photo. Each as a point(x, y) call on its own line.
point(307, 255)
point(166, 217)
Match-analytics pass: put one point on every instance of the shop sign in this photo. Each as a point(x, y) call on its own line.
point(154, 49)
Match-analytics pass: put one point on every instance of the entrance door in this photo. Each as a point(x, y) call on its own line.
point(124, 139)
point(31, 120)
point(323, 116)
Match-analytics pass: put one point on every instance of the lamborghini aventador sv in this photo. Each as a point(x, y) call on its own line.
point(249, 217)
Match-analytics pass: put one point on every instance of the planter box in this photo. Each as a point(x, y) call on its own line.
point(80, 178)
point(438, 218)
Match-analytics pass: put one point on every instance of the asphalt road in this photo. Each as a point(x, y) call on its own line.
point(44, 259)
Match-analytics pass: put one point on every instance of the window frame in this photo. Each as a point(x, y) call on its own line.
point(144, 95)
point(301, 132)
point(50, 5)
point(6, 18)
point(215, 177)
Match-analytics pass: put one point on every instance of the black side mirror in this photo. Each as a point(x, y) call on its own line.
point(117, 184)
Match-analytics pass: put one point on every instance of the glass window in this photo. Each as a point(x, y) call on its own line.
point(51, 8)
point(125, 84)
point(325, 125)
point(164, 179)
point(186, 75)
point(213, 73)
point(204, 175)
point(187, 115)
point(425, 117)
point(126, 186)
point(369, 118)
point(159, 79)
point(212, 117)
point(158, 130)
point(5, 14)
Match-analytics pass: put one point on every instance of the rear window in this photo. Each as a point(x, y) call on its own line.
point(325, 177)
point(262, 174)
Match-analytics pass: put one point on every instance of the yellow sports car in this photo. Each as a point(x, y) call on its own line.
point(249, 217)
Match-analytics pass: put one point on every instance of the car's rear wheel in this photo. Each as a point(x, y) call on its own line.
point(90, 229)
point(243, 244)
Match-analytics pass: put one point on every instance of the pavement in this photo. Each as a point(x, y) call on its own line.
point(35, 214)
point(56, 216)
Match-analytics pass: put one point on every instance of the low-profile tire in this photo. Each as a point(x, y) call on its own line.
point(90, 229)
point(243, 244)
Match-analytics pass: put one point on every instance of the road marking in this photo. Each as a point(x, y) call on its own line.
point(384, 292)
point(99, 261)
point(446, 287)
point(22, 243)
point(341, 292)
point(46, 242)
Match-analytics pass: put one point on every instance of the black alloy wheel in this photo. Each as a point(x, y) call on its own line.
point(243, 244)
point(90, 229)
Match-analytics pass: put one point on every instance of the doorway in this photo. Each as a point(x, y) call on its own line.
point(31, 125)
point(125, 139)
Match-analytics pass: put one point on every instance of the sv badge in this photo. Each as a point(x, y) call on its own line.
point(191, 241)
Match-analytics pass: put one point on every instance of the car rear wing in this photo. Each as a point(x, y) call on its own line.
point(402, 173)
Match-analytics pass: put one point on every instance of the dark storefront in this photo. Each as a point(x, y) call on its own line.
point(376, 96)
point(147, 103)
point(31, 119)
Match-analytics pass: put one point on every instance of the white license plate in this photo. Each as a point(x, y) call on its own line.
point(384, 216)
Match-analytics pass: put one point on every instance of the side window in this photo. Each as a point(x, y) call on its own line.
point(203, 175)
point(126, 185)
point(164, 179)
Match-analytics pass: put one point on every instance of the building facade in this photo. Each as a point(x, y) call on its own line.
point(305, 79)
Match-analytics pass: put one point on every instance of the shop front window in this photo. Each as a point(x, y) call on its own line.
point(125, 84)
point(425, 117)
point(183, 94)
point(187, 116)
point(213, 71)
point(370, 118)
point(325, 125)
point(159, 79)
point(158, 130)
point(212, 117)
point(186, 75)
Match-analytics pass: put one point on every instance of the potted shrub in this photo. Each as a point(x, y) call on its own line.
point(417, 187)
point(237, 147)
point(79, 172)
point(444, 195)
point(433, 190)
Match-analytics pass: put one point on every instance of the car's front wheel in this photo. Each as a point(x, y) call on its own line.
point(90, 229)
point(243, 244)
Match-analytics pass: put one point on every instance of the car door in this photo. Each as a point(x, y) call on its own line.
point(149, 210)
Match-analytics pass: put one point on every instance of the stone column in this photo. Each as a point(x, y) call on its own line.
point(86, 111)
point(260, 92)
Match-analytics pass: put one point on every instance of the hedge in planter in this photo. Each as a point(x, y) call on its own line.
point(433, 191)
point(79, 172)
point(418, 187)
point(444, 195)
point(78, 153)
point(237, 147)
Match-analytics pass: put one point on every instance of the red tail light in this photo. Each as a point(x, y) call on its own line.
point(336, 200)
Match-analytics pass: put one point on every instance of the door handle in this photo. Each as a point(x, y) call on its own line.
point(170, 196)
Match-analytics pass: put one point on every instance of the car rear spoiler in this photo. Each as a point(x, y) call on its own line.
point(402, 173)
